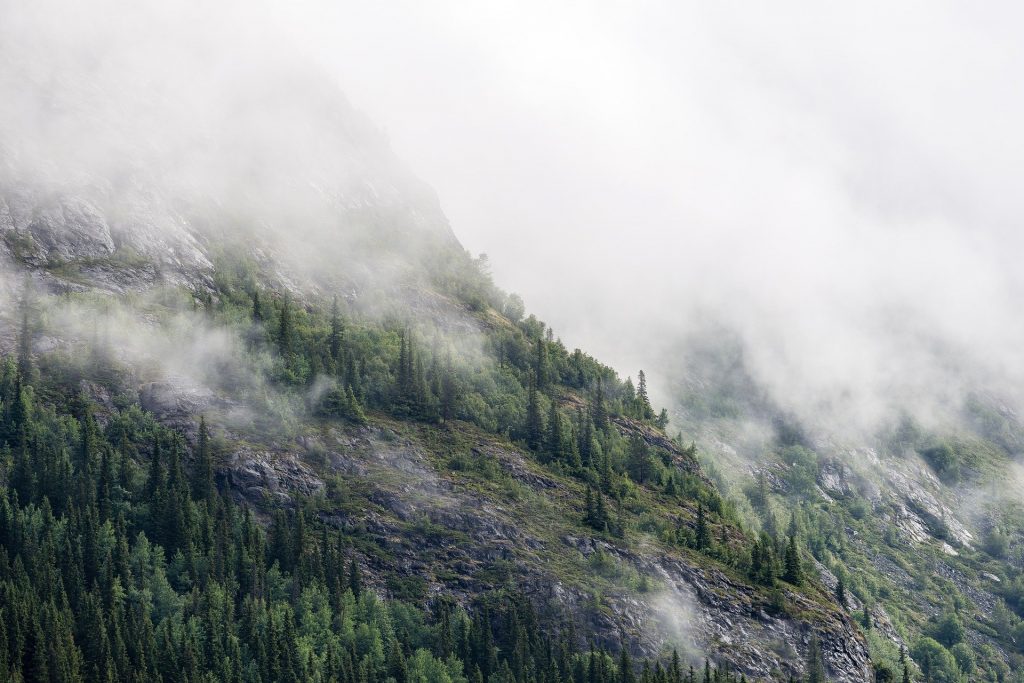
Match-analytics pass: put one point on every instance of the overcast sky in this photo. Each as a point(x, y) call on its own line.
point(838, 182)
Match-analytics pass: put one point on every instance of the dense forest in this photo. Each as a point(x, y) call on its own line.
point(124, 555)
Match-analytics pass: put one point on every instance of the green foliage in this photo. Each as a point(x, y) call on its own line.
point(937, 664)
point(137, 537)
point(802, 474)
point(105, 575)
point(793, 570)
point(947, 629)
point(943, 459)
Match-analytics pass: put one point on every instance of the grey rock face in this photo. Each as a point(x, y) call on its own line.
point(171, 402)
point(122, 245)
point(55, 231)
point(259, 475)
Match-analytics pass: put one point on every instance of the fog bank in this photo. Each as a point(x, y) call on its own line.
point(834, 185)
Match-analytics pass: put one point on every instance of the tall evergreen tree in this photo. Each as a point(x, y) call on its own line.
point(449, 391)
point(337, 334)
point(285, 328)
point(257, 307)
point(599, 412)
point(534, 422)
point(644, 410)
point(815, 665)
point(203, 484)
point(540, 366)
point(793, 572)
point(555, 441)
point(840, 592)
point(702, 535)
point(25, 334)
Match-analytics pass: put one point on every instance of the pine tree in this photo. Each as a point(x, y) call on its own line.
point(203, 488)
point(670, 485)
point(155, 477)
point(285, 328)
point(588, 507)
point(675, 670)
point(584, 438)
point(337, 333)
point(555, 441)
point(643, 402)
point(25, 335)
point(626, 673)
point(257, 307)
point(793, 572)
point(540, 368)
point(449, 391)
point(640, 467)
point(762, 491)
point(595, 512)
point(841, 592)
point(815, 668)
point(355, 578)
point(404, 367)
point(534, 422)
point(353, 408)
point(598, 408)
point(702, 536)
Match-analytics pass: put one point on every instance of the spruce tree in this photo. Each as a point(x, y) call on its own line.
point(203, 487)
point(643, 402)
point(534, 422)
point(626, 673)
point(554, 443)
point(25, 335)
point(599, 412)
point(540, 368)
point(840, 592)
point(793, 572)
point(355, 578)
point(285, 328)
point(337, 333)
point(702, 535)
point(815, 667)
point(257, 307)
point(449, 391)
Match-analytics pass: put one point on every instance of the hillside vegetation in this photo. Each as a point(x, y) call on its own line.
point(432, 489)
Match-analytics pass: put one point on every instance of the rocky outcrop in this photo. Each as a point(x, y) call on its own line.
point(262, 476)
point(55, 230)
point(173, 402)
point(731, 621)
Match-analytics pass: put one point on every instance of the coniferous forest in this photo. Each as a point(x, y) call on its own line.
point(264, 417)
point(126, 556)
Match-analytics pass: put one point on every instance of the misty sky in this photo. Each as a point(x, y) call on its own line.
point(837, 180)
point(838, 183)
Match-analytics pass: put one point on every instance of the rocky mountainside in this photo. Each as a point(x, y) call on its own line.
point(357, 368)
point(921, 524)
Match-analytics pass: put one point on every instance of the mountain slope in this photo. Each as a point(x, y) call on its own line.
point(921, 523)
point(336, 365)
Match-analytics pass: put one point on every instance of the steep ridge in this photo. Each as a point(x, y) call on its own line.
point(362, 371)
